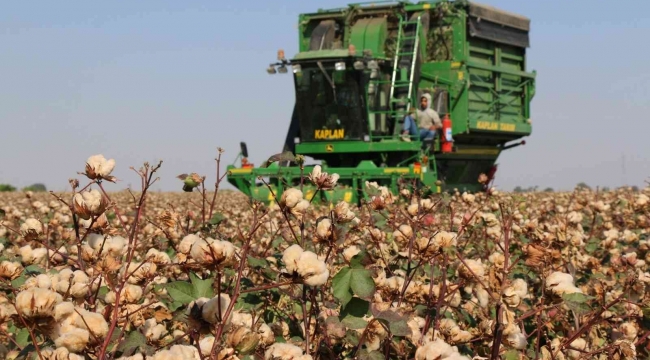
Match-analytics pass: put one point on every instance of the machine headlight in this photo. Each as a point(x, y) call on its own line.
point(339, 66)
point(296, 140)
point(271, 70)
point(359, 65)
point(296, 68)
point(282, 69)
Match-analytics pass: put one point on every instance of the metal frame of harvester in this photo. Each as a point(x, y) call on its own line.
point(361, 68)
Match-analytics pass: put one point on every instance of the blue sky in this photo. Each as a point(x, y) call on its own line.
point(173, 80)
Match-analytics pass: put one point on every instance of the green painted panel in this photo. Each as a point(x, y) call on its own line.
point(369, 34)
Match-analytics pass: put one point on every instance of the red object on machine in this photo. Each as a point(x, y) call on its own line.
point(446, 139)
point(245, 164)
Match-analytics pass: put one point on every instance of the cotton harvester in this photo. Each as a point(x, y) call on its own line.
point(362, 68)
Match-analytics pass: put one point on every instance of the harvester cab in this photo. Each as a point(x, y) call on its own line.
point(359, 71)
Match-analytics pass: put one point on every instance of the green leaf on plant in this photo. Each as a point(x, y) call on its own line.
point(217, 219)
point(354, 323)
point(359, 260)
point(134, 341)
point(349, 281)
point(592, 246)
point(341, 285)
point(511, 355)
point(22, 337)
point(578, 298)
point(202, 288)
point(352, 315)
point(19, 281)
point(399, 328)
point(352, 337)
point(175, 306)
point(371, 355)
point(181, 291)
point(257, 263)
point(577, 302)
point(362, 283)
point(34, 270)
point(102, 292)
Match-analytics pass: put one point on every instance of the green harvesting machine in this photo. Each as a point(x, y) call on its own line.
point(359, 71)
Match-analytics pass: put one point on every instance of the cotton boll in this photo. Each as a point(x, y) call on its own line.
point(93, 322)
point(133, 357)
point(517, 340)
point(311, 269)
point(472, 269)
point(351, 252)
point(324, 229)
point(282, 351)
point(510, 297)
point(290, 257)
point(37, 302)
point(152, 330)
point(580, 344)
point(520, 287)
point(10, 270)
point(185, 352)
point(291, 197)
point(63, 310)
point(241, 319)
point(266, 334)
point(32, 256)
point(132, 293)
point(445, 239)
point(73, 283)
point(300, 208)
point(210, 251)
point(138, 272)
point(403, 233)
point(31, 228)
point(98, 167)
point(59, 354)
point(74, 340)
point(157, 257)
point(498, 259)
point(436, 350)
point(186, 244)
point(215, 308)
point(42, 281)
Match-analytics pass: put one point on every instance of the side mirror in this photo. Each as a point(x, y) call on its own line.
point(244, 149)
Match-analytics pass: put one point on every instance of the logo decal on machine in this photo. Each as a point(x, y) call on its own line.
point(327, 134)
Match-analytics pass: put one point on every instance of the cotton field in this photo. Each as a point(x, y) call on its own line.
point(91, 274)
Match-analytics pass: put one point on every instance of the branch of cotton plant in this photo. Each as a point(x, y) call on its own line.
point(217, 182)
point(146, 175)
point(284, 213)
point(32, 335)
point(267, 287)
point(442, 292)
point(115, 209)
point(237, 291)
point(594, 320)
point(303, 305)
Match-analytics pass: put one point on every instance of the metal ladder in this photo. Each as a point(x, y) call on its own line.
point(403, 76)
